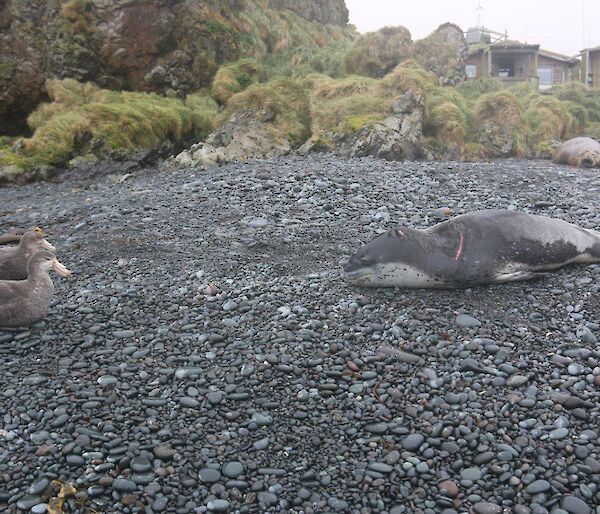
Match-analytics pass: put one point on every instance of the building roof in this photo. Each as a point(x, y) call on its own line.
point(594, 49)
point(514, 45)
point(558, 57)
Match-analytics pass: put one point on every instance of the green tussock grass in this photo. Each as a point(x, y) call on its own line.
point(288, 44)
point(123, 121)
point(345, 105)
point(438, 55)
point(377, 53)
point(234, 78)
point(473, 89)
point(582, 95)
point(409, 77)
point(497, 113)
point(292, 62)
point(448, 122)
point(284, 102)
point(548, 120)
point(592, 130)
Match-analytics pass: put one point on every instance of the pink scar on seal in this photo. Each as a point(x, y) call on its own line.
point(461, 245)
point(399, 233)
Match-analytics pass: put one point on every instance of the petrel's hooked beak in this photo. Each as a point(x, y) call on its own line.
point(61, 269)
point(48, 246)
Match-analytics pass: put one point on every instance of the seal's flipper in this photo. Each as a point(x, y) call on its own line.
point(518, 276)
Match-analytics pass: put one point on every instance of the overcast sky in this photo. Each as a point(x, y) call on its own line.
point(557, 25)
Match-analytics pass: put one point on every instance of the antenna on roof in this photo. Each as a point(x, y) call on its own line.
point(479, 9)
point(583, 22)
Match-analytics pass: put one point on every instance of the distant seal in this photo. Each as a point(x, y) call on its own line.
point(582, 152)
point(481, 247)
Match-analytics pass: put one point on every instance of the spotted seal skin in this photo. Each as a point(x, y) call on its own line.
point(582, 152)
point(481, 247)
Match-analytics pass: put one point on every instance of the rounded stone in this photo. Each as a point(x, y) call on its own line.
point(209, 476)
point(123, 485)
point(233, 469)
point(412, 442)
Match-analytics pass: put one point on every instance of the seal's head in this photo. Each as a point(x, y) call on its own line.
point(588, 158)
point(389, 260)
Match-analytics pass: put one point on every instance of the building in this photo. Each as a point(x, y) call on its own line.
point(492, 54)
point(590, 67)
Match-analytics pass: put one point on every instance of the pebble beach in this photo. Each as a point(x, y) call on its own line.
point(208, 355)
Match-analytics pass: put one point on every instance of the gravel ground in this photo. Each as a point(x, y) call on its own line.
point(208, 356)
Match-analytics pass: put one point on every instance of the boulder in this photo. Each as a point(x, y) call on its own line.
point(398, 137)
point(247, 135)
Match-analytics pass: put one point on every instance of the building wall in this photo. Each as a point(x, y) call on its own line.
point(590, 61)
point(524, 63)
point(478, 60)
point(595, 68)
point(584, 65)
point(560, 70)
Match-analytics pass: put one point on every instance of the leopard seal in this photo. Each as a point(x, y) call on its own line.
point(582, 152)
point(481, 247)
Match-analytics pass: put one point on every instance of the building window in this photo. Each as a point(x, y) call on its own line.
point(471, 70)
point(545, 76)
point(506, 67)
